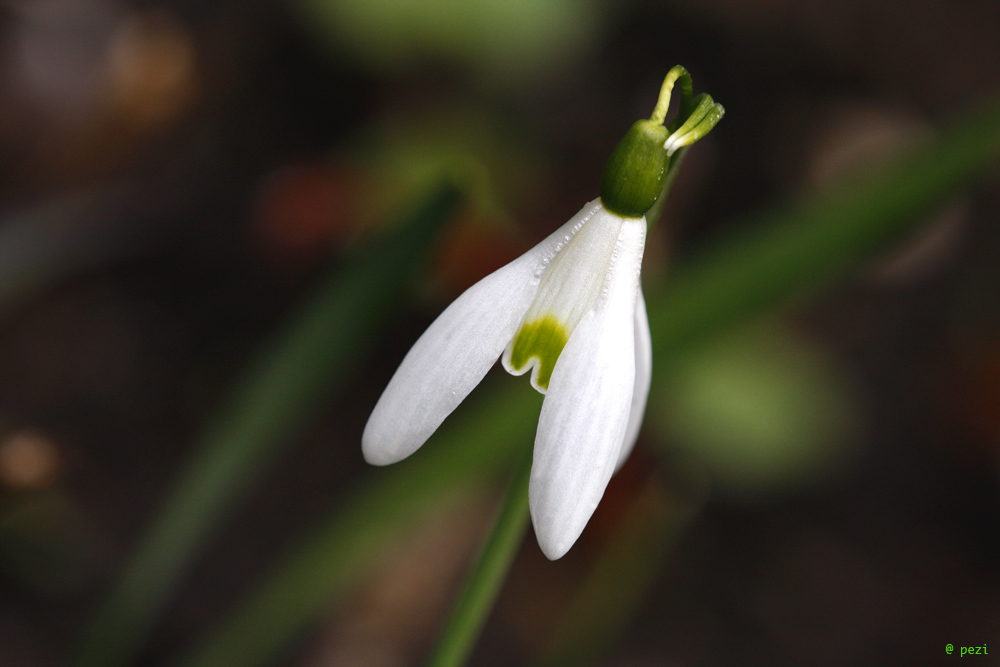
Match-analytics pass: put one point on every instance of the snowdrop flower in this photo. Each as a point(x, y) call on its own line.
point(571, 312)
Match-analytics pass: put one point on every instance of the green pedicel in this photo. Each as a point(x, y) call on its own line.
point(542, 339)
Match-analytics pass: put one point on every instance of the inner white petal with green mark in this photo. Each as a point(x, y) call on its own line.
point(570, 287)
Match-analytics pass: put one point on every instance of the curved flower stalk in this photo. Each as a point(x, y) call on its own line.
point(570, 311)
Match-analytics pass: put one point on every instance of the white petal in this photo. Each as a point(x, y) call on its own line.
point(456, 351)
point(643, 376)
point(585, 413)
point(569, 289)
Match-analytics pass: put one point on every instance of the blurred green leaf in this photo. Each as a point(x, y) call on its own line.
point(480, 441)
point(808, 245)
point(503, 40)
point(760, 410)
point(409, 149)
point(287, 384)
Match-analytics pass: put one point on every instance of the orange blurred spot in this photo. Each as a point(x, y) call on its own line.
point(622, 492)
point(973, 392)
point(28, 460)
point(151, 69)
point(302, 208)
point(470, 251)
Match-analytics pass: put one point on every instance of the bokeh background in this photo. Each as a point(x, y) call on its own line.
point(817, 485)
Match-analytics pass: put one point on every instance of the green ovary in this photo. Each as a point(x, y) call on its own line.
point(542, 339)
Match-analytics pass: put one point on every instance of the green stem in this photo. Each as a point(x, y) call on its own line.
point(319, 575)
point(483, 586)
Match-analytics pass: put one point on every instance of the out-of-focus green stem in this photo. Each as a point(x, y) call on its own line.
point(285, 385)
point(481, 590)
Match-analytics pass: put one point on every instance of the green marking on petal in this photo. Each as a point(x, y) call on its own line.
point(542, 339)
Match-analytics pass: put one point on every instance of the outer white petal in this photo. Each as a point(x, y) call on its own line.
point(456, 351)
point(643, 376)
point(585, 413)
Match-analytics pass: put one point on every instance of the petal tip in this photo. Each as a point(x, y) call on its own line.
point(552, 549)
point(379, 450)
point(555, 536)
point(375, 455)
point(376, 459)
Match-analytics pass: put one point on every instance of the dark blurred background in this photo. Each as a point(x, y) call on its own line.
point(177, 176)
